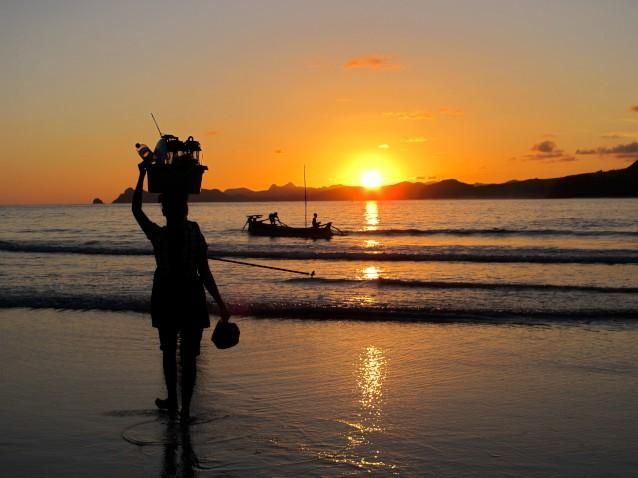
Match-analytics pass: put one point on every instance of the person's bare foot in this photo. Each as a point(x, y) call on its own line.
point(185, 416)
point(166, 404)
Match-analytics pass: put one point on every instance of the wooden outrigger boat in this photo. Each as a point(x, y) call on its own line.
point(275, 228)
point(258, 227)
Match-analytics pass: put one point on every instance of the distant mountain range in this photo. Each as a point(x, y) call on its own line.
point(614, 183)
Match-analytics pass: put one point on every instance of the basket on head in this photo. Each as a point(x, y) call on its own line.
point(225, 335)
point(175, 177)
point(176, 166)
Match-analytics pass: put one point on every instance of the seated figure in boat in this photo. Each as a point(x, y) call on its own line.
point(315, 223)
point(273, 217)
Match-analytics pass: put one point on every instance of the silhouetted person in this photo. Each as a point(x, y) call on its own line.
point(274, 217)
point(315, 223)
point(178, 300)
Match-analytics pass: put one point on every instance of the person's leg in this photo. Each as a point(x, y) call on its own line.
point(189, 350)
point(168, 344)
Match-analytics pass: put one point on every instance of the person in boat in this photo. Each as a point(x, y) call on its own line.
point(178, 300)
point(315, 223)
point(273, 217)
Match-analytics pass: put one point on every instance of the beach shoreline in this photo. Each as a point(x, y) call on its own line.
point(442, 400)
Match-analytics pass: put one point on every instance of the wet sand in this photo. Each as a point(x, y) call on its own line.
point(309, 398)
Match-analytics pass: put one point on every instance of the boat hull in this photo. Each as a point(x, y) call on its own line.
point(274, 230)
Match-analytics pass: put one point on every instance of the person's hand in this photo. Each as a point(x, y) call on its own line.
point(224, 315)
point(142, 167)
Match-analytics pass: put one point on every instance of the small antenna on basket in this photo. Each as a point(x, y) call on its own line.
point(156, 125)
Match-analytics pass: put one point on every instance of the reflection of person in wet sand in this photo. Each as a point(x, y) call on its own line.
point(189, 461)
point(178, 300)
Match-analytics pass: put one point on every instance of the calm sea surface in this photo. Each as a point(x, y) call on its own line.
point(416, 260)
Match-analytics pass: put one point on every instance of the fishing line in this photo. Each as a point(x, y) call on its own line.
point(232, 261)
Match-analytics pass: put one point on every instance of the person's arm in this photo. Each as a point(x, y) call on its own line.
point(142, 219)
point(209, 282)
point(207, 276)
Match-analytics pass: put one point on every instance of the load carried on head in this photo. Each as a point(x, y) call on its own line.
point(174, 166)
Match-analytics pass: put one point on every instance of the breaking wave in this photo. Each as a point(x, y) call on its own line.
point(492, 232)
point(466, 285)
point(285, 310)
point(484, 254)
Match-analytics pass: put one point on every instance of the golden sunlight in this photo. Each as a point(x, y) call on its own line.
point(371, 273)
point(371, 179)
point(371, 216)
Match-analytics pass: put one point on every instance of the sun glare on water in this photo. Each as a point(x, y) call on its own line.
point(371, 179)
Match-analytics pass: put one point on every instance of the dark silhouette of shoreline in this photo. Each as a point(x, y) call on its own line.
point(613, 183)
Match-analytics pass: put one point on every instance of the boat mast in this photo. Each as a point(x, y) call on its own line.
point(305, 199)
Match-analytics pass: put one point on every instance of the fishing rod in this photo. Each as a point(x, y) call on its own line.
point(156, 125)
point(310, 274)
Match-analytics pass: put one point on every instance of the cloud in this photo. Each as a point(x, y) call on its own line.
point(371, 62)
point(409, 115)
point(212, 133)
point(384, 146)
point(278, 151)
point(548, 151)
point(451, 112)
point(633, 108)
point(415, 139)
point(545, 147)
point(619, 135)
point(424, 115)
point(628, 151)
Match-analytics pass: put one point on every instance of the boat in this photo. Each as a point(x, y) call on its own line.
point(275, 228)
point(258, 227)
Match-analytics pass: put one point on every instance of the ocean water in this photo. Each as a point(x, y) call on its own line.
point(482, 260)
point(499, 340)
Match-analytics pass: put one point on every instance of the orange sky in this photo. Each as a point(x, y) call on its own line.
point(417, 90)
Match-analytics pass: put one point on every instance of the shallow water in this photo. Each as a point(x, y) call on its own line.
point(415, 260)
point(309, 398)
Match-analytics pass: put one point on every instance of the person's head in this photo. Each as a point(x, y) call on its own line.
point(174, 206)
point(315, 214)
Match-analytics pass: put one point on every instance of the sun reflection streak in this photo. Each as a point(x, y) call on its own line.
point(361, 449)
point(372, 370)
point(371, 273)
point(371, 216)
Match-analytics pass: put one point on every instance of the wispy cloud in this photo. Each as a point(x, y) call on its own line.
point(627, 151)
point(620, 135)
point(384, 146)
point(416, 115)
point(548, 151)
point(633, 108)
point(415, 139)
point(371, 62)
point(212, 133)
point(451, 112)
point(409, 115)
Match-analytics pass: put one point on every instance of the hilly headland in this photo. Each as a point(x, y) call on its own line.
point(613, 183)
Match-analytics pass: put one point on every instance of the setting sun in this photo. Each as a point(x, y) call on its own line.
point(371, 179)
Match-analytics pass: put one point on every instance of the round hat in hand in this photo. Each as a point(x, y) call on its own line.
point(225, 335)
